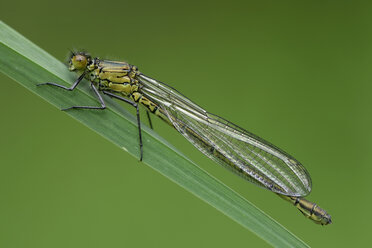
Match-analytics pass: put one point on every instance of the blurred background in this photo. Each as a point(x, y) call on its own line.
point(295, 73)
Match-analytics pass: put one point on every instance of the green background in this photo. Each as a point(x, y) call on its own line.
point(297, 74)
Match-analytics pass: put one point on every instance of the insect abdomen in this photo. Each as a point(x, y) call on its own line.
point(309, 209)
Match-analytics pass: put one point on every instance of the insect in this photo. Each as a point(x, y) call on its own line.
point(244, 153)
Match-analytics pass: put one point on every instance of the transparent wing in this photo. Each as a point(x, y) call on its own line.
point(244, 153)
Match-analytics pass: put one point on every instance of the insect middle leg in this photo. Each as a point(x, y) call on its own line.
point(103, 105)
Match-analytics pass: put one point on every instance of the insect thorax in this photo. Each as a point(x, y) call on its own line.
point(115, 76)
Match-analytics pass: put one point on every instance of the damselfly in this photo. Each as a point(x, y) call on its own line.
point(242, 152)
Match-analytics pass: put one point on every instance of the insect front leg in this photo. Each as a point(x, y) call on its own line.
point(73, 86)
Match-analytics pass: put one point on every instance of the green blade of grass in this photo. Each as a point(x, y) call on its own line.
point(29, 65)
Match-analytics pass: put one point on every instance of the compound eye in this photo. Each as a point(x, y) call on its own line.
point(78, 62)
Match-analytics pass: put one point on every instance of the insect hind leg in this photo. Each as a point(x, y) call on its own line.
point(134, 104)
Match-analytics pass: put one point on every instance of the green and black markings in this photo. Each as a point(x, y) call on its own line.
point(242, 152)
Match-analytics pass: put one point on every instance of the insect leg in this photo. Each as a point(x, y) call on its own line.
point(103, 106)
point(149, 118)
point(138, 117)
point(73, 86)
